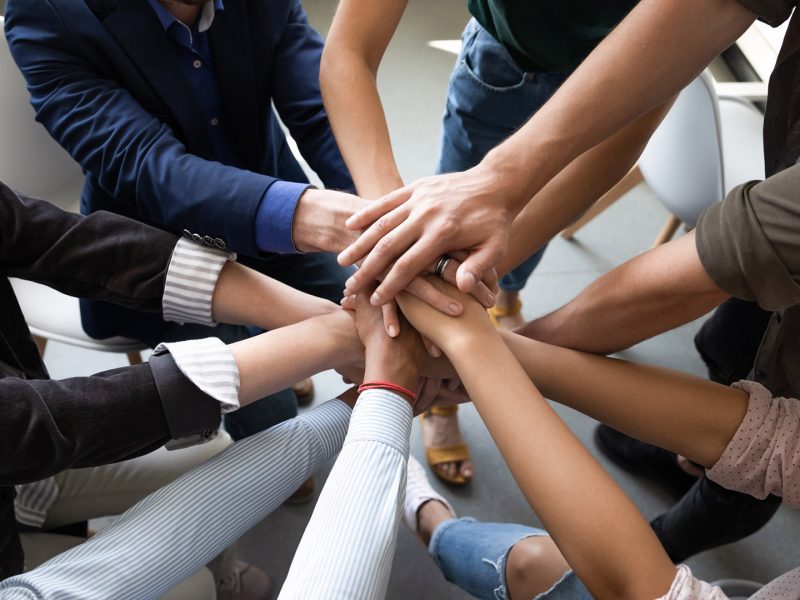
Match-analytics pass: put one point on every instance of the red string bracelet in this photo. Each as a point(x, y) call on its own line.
point(385, 385)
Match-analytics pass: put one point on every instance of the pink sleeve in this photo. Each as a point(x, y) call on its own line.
point(763, 456)
point(686, 587)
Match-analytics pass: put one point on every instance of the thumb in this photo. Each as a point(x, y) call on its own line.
point(475, 266)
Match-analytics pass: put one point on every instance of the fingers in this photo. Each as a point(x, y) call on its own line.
point(380, 258)
point(432, 348)
point(391, 321)
point(478, 262)
point(480, 292)
point(376, 209)
point(428, 293)
point(413, 262)
point(369, 238)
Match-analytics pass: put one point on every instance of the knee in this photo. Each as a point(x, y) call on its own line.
point(534, 565)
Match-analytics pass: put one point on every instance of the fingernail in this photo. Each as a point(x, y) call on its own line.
point(350, 283)
point(435, 351)
point(342, 300)
point(454, 308)
point(375, 300)
point(392, 331)
point(472, 279)
point(492, 300)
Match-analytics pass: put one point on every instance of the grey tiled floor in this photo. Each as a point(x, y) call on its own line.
point(412, 82)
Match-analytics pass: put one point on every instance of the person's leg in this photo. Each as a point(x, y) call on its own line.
point(488, 99)
point(488, 560)
point(708, 516)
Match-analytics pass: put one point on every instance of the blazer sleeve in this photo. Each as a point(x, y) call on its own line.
point(50, 425)
point(298, 99)
point(135, 157)
point(102, 256)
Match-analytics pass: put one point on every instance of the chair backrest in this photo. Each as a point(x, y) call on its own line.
point(683, 162)
point(30, 160)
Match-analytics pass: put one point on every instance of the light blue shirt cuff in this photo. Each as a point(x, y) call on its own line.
point(275, 215)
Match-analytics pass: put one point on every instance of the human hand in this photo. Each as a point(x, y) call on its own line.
point(396, 360)
point(445, 331)
point(411, 228)
point(319, 220)
point(485, 292)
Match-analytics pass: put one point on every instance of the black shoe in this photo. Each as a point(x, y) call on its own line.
point(643, 459)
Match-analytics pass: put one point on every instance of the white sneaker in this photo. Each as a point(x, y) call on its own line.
point(418, 492)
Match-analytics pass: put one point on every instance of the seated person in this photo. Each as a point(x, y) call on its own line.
point(49, 425)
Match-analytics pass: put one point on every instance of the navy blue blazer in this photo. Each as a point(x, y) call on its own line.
point(105, 82)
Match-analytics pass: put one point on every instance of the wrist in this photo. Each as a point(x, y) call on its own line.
point(509, 176)
point(386, 366)
point(319, 221)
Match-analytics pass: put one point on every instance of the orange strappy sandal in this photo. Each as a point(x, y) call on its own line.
point(446, 454)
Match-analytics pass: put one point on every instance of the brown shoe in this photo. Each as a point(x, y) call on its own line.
point(247, 582)
point(304, 390)
point(303, 494)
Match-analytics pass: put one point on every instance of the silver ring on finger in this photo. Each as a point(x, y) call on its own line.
point(441, 266)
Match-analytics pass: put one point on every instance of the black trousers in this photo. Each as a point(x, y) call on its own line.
point(710, 515)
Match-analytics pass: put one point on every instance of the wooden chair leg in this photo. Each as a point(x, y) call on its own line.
point(669, 229)
point(134, 358)
point(625, 185)
point(41, 344)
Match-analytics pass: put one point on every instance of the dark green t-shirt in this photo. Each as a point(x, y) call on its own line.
point(549, 35)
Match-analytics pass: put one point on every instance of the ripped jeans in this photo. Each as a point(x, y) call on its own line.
point(473, 555)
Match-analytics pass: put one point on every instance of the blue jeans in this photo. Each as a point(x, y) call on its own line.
point(473, 555)
point(316, 274)
point(488, 99)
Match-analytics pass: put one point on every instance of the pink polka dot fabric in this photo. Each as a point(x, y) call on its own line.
point(686, 587)
point(764, 455)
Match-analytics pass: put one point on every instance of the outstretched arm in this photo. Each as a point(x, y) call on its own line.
point(549, 463)
point(474, 210)
point(651, 293)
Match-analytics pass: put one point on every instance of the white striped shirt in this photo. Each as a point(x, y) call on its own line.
point(174, 531)
point(347, 549)
point(192, 275)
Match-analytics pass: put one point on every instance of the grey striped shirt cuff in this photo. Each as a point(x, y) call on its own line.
point(191, 278)
point(209, 365)
point(328, 422)
point(381, 416)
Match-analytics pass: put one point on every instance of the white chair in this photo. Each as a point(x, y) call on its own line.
point(33, 163)
point(706, 146)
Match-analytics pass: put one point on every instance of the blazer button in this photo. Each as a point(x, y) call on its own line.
point(187, 233)
point(197, 238)
point(208, 240)
point(220, 243)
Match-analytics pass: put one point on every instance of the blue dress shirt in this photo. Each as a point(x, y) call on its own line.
point(193, 51)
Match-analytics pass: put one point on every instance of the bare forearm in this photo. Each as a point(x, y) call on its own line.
point(554, 470)
point(358, 38)
point(577, 187)
point(358, 121)
point(275, 360)
point(246, 297)
point(691, 416)
point(652, 293)
point(629, 74)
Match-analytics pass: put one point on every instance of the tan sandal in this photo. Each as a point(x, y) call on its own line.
point(446, 454)
point(304, 390)
point(496, 313)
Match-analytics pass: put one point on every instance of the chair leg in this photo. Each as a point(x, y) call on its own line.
point(41, 344)
point(134, 358)
point(669, 229)
point(625, 185)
